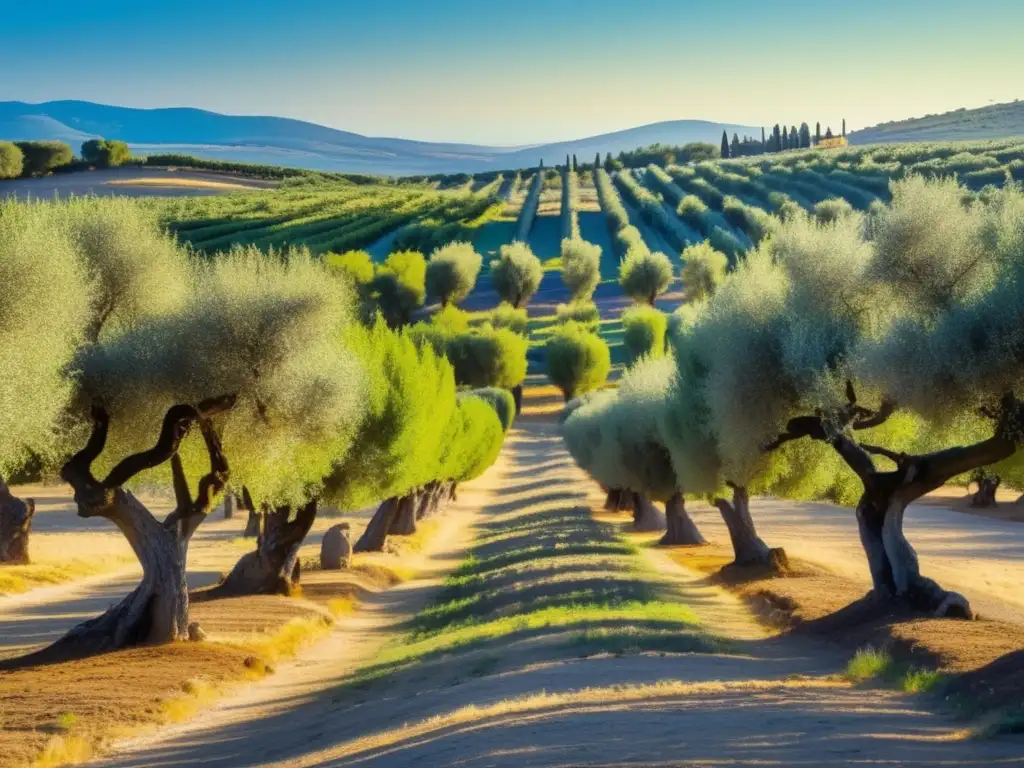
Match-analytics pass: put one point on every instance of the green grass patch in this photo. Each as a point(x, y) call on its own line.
point(875, 665)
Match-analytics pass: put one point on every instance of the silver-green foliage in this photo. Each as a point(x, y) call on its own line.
point(643, 333)
point(704, 269)
point(452, 271)
point(581, 267)
point(516, 273)
point(268, 328)
point(645, 276)
point(577, 360)
point(44, 307)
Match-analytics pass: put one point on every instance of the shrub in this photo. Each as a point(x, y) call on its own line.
point(483, 357)
point(704, 269)
point(507, 316)
point(104, 153)
point(452, 272)
point(753, 221)
point(501, 401)
point(581, 267)
point(727, 243)
point(12, 161)
point(628, 239)
point(644, 275)
point(832, 209)
point(516, 273)
point(577, 360)
point(356, 265)
point(584, 312)
point(643, 333)
point(41, 157)
point(692, 210)
point(400, 286)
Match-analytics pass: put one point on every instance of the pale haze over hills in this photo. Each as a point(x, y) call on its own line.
point(290, 142)
point(284, 141)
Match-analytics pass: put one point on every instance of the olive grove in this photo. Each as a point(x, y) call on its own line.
point(865, 359)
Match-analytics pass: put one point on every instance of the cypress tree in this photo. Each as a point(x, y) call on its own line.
point(597, 161)
point(805, 135)
point(785, 138)
point(844, 127)
point(776, 138)
point(828, 132)
point(764, 144)
point(608, 162)
point(817, 133)
point(574, 166)
point(794, 139)
point(734, 150)
point(725, 145)
point(567, 166)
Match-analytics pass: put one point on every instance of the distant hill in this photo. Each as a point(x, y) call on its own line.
point(994, 122)
point(284, 141)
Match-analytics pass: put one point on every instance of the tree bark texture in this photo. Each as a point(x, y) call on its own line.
point(646, 516)
point(517, 397)
point(376, 532)
point(15, 526)
point(273, 567)
point(157, 611)
point(748, 548)
point(404, 521)
point(895, 571)
point(985, 496)
point(680, 528)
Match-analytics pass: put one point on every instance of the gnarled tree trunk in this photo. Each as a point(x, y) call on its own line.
point(254, 519)
point(273, 567)
point(229, 505)
point(895, 571)
point(646, 516)
point(404, 521)
point(747, 546)
point(985, 496)
point(376, 532)
point(15, 525)
point(157, 611)
point(680, 528)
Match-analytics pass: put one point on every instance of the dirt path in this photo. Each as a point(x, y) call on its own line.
point(533, 701)
point(291, 710)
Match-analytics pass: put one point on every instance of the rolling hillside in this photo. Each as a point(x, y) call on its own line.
point(994, 122)
point(283, 141)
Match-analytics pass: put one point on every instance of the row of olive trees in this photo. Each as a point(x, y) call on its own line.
point(126, 360)
point(840, 360)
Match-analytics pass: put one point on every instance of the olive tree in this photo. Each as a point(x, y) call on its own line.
point(581, 268)
point(254, 359)
point(516, 273)
point(577, 361)
point(418, 440)
point(41, 157)
point(452, 272)
point(43, 314)
point(704, 269)
point(950, 352)
point(105, 153)
point(644, 276)
point(643, 333)
point(615, 437)
point(12, 161)
point(399, 286)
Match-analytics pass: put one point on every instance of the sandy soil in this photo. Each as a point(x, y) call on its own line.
point(37, 617)
point(134, 182)
point(292, 709)
point(981, 557)
point(770, 701)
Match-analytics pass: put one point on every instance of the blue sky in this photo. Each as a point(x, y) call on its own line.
point(520, 72)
